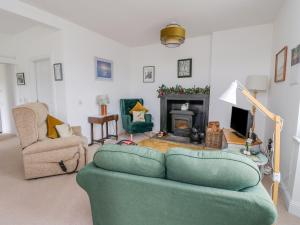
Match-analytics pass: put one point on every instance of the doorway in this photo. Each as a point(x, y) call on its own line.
point(44, 83)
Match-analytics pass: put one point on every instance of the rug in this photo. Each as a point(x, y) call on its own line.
point(163, 145)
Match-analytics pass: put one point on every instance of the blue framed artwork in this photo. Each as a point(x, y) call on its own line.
point(104, 69)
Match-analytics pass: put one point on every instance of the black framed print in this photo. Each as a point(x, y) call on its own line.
point(148, 74)
point(20, 79)
point(184, 68)
point(58, 74)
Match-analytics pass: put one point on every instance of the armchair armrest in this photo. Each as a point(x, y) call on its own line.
point(126, 120)
point(148, 118)
point(54, 144)
point(76, 130)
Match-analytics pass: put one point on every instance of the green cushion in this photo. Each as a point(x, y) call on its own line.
point(211, 169)
point(131, 159)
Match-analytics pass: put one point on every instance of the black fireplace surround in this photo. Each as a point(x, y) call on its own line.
point(196, 116)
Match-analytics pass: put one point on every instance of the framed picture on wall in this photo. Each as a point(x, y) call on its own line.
point(104, 69)
point(280, 65)
point(20, 79)
point(184, 68)
point(148, 74)
point(58, 74)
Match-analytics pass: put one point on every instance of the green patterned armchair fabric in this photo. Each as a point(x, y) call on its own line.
point(134, 127)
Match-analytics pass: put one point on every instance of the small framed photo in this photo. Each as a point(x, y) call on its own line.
point(295, 56)
point(104, 69)
point(148, 74)
point(20, 79)
point(184, 68)
point(280, 65)
point(58, 74)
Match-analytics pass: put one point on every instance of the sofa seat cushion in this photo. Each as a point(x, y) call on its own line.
point(131, 159)
point(211, 169)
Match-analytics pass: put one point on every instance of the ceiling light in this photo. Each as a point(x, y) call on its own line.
point(172, 36)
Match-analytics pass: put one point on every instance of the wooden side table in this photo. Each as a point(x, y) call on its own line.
point(103, 120)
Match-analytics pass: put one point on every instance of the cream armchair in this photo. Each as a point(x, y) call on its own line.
point(43, 156)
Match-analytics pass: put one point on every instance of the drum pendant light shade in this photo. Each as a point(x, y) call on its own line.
point(172, 36)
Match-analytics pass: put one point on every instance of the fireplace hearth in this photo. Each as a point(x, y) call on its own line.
point(181, 122)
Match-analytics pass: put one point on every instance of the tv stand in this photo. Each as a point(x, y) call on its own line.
point(232, 140)
point(238, 134)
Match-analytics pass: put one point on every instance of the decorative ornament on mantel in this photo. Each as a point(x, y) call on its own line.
point(178, 89)
point(172, 36)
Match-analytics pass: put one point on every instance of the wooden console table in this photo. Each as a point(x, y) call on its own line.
point(103, 120)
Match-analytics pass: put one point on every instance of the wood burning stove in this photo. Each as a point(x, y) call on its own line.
point(182, 122)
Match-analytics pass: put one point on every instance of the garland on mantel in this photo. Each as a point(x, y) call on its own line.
point(178, 89)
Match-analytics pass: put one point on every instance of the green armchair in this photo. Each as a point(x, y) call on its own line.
point(134, 127)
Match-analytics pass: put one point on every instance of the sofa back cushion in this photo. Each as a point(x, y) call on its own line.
point(131, 159)
point(211, 169)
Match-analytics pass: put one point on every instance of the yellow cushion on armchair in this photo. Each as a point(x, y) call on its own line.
point(138, 107)
point(51, 123)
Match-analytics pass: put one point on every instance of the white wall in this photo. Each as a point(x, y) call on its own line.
point(165, 62)
point(34, 44)
point(7, 97)
point(80, 48)
point(236, 54)
point(7, 50)
point(284, 100)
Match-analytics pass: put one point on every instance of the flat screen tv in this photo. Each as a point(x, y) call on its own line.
point(241, 121)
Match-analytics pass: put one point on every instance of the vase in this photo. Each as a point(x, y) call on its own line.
point(103, 110)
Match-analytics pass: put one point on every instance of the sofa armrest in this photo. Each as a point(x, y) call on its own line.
point(148, 118)
point(55, 144)
point(76, 130)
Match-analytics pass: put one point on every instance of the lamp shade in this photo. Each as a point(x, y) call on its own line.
point(230, 94)
point(172, 36)
point(257, 83)
point(102, 99)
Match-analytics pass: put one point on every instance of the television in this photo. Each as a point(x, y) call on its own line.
point(241, 121)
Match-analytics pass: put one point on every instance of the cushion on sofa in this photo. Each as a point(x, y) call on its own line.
point(131, 159)
point(211, 169)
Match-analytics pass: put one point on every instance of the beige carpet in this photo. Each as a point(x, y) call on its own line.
point(54, 200)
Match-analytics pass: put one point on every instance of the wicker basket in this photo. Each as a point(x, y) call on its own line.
point(214, 135)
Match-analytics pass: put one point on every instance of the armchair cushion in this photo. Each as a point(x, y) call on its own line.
point(54, 144)
point(138, 107)
point(51, 123)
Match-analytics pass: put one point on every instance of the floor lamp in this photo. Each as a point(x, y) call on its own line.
point(256, 83)
point(230, 96)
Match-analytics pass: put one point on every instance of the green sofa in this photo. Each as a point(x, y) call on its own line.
point(134, 127)
point(130, 185)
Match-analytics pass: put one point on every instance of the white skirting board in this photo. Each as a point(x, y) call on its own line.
point(292, 206)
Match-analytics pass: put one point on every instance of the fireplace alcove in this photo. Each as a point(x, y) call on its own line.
point(196, 116)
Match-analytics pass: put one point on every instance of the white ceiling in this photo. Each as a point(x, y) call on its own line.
point(11, 24)
point(138, 22)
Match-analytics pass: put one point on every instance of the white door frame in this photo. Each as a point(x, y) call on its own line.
point(33, 69)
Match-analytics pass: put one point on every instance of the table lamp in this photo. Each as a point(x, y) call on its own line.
point(102, 101)
point(256, 83)
point(230, 96)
